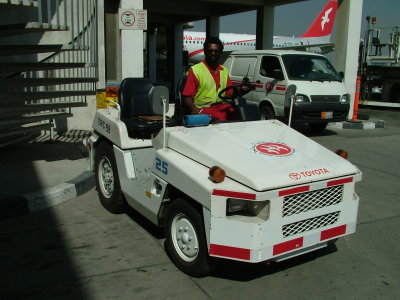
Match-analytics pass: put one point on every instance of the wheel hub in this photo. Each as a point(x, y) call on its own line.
point(106, 177)
point(185, 238)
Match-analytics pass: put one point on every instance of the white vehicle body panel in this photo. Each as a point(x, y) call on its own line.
point(231, 146)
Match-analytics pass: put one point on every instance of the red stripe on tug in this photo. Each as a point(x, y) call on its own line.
point(287, 246)
point(228, 251)
point(339, 181)
point(333, 232)
point(300, 189)
point(231, 194)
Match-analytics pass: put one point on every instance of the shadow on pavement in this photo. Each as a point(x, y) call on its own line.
point(34, 166)
point(35, 261)
point(34, 258)
point(155, 231)
point(241, 271)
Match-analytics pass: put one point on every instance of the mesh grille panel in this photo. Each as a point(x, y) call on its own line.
point(325, 99)
point(299, 203)
point(310, 224)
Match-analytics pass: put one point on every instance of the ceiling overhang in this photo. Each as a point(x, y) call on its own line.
point(163, 13)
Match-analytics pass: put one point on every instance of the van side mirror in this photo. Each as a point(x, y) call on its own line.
point(157, 95)
point(341, 74)
point(278, 74)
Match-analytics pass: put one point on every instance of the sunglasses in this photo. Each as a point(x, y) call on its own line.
point(212, 51)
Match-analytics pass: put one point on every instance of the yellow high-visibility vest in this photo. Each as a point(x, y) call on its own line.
point(207, 93)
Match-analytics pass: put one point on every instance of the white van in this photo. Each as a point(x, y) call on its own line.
point(319, 93)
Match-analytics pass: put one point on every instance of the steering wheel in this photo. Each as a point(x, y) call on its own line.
point(236, 90)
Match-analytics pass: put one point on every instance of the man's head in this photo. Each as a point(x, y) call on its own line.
point(213, 48)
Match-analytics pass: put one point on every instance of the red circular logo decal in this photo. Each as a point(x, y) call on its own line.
point(274, 149)
point(269, 86)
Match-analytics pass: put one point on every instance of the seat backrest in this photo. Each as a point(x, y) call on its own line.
point(134, 97)
point(180, 109)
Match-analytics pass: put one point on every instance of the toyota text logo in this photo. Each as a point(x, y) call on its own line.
point(304, 174)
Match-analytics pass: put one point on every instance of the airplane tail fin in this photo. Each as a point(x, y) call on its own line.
point(323, 24)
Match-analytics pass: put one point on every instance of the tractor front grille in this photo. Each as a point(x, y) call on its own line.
point(303, 202)
point(310, 224)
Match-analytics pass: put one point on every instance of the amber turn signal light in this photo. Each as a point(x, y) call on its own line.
point(342, 153)
point(112, 91)
point(217, 175)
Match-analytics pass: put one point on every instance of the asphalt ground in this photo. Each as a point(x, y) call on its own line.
point(77, 250)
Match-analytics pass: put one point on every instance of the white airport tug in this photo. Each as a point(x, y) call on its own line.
point(252, 191)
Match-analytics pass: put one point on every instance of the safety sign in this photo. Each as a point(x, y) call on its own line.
point(134, 19)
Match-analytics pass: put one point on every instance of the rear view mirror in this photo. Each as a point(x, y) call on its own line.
point(157, 95)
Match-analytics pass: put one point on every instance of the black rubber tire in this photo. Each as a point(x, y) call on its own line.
point(318, 127)
point(181, 214)
point(107, 181)
point(267, 113)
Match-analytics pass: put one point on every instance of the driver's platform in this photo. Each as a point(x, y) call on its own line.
point(142, 116)
point(138, 111)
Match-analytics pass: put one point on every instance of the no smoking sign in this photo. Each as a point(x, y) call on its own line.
point(134, 19)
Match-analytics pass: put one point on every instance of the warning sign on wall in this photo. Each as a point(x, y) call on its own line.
point(135, 19)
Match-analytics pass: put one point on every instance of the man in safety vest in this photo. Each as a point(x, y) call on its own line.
point(205, 80)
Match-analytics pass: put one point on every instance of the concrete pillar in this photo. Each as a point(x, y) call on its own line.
point(265, 27)
point(178, 54)
point(152, 55)
point(83, 117)
point(348, 28)
point(212, 26)
point(132, 45)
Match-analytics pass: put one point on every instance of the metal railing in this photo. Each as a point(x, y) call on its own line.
point(79, 17)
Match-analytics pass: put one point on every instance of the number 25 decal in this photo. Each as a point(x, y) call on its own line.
point(161, 166)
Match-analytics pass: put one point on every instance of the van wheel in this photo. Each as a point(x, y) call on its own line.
point(185, 239)
point(107, 182)
point(267, 113)
point(318, 127)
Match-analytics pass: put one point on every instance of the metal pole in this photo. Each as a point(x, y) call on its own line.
point(40, 13)
point(48, 12)
point(290, 110)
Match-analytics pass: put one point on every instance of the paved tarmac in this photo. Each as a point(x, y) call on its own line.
point(78, 250)
point(43, 173)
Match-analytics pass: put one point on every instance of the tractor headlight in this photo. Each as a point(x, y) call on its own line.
point(345, 99)
point(248, 208)
point(299, 98)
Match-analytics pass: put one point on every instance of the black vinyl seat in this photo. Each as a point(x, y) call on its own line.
point(180, 109)
point(136, 108)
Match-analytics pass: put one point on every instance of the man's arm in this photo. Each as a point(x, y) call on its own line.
point(189, 92)
point(190, 106)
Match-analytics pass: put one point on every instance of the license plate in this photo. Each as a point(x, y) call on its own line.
point(326, 115)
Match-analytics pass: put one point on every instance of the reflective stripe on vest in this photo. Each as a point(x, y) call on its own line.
point(207, 93)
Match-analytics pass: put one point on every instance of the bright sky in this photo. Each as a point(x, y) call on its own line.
point(294, 19)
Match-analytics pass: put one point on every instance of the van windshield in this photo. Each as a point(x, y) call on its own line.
point(309, 67)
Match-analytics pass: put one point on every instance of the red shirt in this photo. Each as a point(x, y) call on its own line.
point(192, 83)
